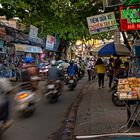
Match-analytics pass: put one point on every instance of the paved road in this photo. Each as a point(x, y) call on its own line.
point(46, 120)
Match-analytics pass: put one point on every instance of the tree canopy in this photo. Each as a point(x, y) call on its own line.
point(64, 17)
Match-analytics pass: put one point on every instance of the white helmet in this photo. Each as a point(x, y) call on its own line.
point(53, 63)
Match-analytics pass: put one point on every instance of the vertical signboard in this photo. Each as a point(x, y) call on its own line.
point(50, 42)
point(33, 33)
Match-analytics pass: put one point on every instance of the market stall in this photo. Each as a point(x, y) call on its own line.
point(129, 91)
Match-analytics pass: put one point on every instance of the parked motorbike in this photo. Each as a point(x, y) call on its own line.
point(72, 82)
point(115, 98)
point(53, 91)
point(25, 100)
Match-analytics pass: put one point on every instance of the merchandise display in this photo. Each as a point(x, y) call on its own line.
point(129, 88)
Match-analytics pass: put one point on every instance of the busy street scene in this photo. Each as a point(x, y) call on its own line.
point(70, 70)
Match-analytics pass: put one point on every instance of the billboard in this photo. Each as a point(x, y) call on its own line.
point(102, 23)
point(129, 18)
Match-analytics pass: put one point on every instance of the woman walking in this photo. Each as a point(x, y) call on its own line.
point(100, 69)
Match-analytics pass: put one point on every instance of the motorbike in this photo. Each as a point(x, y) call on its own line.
point(66, 78)
point(43, 69)
point(25, 100)
point(3, 101)
point(53, 91)
point(72, 82)
point(115, 98)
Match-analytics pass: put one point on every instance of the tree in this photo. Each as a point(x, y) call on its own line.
point(64, 17)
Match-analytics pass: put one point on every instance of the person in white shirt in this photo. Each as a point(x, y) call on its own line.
point(88, 68)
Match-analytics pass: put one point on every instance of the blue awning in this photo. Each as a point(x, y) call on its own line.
point(108, 49)
point(114, 49)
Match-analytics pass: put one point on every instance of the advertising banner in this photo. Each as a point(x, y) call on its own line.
point(102, 23)
point(50, 42)
point(129, 18)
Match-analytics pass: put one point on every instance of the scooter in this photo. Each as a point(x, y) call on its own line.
point(66, 78)
point(115, 98)
point(72, 82)
point(25, 100)
point(53, 91)
point(3, 101)
point(43, 69)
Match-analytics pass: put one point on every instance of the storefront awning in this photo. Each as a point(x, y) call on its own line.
point(27, 48)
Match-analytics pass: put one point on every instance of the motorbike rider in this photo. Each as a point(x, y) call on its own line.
point(72, 69)
point(5, 89)
point(55, 75)
point(29, 74)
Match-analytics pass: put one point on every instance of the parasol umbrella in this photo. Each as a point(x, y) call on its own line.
point(114, 49)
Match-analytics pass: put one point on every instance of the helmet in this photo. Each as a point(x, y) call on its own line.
point(53, 63)
point(71, 62)
point(28, 60)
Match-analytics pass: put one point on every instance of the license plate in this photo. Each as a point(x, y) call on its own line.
point(50, 86)
point(71, 81)
point(22, 106)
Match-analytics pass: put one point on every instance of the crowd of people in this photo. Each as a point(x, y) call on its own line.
point(111, 68)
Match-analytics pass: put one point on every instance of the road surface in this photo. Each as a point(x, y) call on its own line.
point(46, 120)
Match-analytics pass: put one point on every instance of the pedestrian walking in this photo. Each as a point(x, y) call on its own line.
point(100, 69)
point(110, 71)
point(89, 67)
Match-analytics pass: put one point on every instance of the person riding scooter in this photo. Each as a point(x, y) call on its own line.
point(72, 69)
point(54, 74)
point(5, 89)
point(29, 74)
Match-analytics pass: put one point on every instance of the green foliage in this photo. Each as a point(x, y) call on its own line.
point(64, 17)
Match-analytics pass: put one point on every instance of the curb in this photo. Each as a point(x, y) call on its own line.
point(69, 124)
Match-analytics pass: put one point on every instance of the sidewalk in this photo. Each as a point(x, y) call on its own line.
point(97, 114)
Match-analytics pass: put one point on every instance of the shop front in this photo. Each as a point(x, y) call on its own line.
point(22, 51)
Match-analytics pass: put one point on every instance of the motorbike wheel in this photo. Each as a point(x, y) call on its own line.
point(29, 112)
point(116, 100)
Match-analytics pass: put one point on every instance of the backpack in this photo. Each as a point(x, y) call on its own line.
point(71, 70)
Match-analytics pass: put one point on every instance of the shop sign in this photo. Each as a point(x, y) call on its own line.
point(50, 42)
point(28, 48)
point(33, 33)
point(33, 49)
point(102, 23)
point(20, 48)
point(112, 3)
point(129, 18)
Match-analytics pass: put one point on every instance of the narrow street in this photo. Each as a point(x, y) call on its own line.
point(46, 120)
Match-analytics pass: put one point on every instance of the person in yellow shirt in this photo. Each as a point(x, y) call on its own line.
point(100, 69)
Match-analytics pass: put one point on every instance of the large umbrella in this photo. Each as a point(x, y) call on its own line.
point(114, 49)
